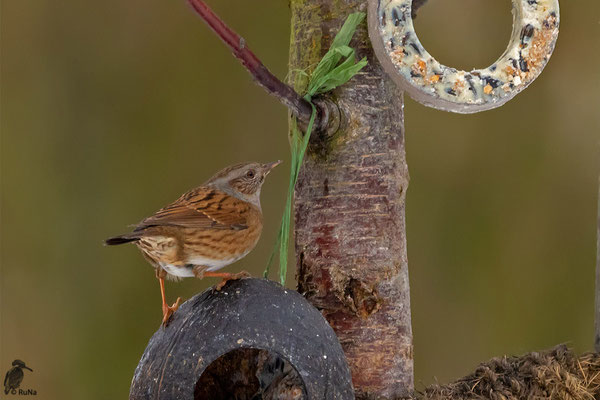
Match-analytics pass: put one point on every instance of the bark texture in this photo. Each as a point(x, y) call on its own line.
point(350, 225)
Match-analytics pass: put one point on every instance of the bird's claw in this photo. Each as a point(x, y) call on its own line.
point(168, 311)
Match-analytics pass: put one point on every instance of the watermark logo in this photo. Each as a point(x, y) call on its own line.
point(14, 377)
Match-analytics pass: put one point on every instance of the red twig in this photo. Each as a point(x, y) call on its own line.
point(297, 105)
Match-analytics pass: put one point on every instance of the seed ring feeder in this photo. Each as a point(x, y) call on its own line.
point(414, 70)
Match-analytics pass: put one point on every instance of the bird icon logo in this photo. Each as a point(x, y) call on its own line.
point(14, 376)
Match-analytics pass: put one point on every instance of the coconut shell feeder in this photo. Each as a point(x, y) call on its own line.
point(252, 340)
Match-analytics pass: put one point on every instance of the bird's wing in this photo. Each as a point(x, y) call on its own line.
point(201, 208)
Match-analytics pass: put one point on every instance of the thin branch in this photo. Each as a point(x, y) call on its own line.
point(297, 105)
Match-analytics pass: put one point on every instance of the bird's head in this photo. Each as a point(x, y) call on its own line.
point(20, 364)
point(243, 181)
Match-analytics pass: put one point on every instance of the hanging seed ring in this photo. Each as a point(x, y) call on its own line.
point(534, 34)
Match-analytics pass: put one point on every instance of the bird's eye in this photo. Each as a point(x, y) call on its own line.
point(250, 174)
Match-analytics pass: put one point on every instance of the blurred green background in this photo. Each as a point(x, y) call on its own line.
point(111, 109)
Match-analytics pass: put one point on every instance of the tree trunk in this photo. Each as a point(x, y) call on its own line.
point(349, 205)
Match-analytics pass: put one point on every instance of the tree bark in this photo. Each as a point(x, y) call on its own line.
point(349, 209)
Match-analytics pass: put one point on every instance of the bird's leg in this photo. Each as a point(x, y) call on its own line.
point(166, 309)
point(201, 272)
point(198, 271)
point(226, 277)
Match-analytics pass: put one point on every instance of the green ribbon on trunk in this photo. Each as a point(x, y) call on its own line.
point(336, 67)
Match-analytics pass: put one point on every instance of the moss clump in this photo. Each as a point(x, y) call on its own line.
point(554, 374)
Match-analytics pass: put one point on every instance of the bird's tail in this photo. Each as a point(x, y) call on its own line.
point(113, 241)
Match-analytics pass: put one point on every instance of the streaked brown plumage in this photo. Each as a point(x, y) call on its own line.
point(205, 229)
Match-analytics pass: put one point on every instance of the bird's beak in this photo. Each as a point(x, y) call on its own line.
point(25, 366)
point(269, 166)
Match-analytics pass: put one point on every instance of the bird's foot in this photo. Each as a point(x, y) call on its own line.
point(168, 311)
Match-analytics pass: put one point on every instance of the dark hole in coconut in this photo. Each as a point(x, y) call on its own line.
point(250, 374)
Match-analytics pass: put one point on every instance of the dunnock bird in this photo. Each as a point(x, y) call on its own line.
point(205, 229)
